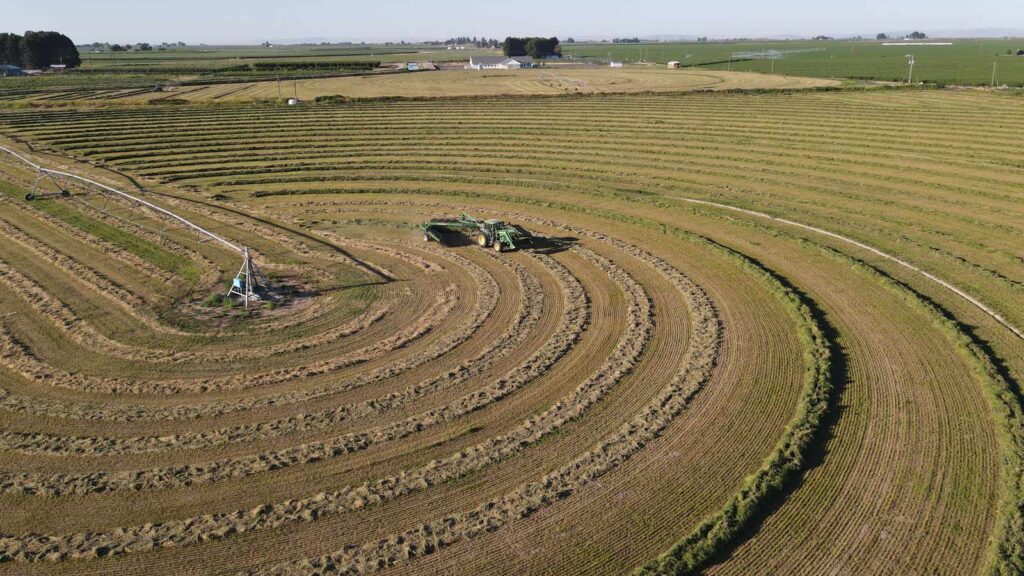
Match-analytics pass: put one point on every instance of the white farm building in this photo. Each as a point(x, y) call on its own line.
point(499, 62)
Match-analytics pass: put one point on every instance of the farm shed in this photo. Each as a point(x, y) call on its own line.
point(674, 64)
point(614, 64)
point(499, 62)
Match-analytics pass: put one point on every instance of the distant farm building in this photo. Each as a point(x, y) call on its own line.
point(499, 62)
point(58, 67)
point(615, 64)
point(10, 70)
point(674, 64)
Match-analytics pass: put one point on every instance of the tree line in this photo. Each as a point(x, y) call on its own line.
point(140, 46)
point(481, 42)
point(915, 35)
point(533, 47)
point(38, 50)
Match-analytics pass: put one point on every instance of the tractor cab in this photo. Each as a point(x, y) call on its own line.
point(492, 226)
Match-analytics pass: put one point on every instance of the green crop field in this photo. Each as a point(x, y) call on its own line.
point(966, 61)
point(756, 333)
point(207, 56)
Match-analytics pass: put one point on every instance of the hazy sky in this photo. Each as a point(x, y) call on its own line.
point(250, 21)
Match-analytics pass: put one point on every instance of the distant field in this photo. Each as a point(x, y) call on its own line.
point(965, 62)
point(216, 56)
point(105, 73)
point(110, 75)
point(501, 82)
point(550, 81)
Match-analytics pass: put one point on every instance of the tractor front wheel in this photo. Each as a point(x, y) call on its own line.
point(498, 246)
point(426, 238)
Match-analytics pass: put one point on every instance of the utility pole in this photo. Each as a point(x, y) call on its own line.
point(910, 74)
point(994, 74)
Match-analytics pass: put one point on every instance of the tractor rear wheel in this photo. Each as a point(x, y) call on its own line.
point(482, 239)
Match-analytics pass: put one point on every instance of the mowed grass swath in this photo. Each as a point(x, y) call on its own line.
point(656, 385)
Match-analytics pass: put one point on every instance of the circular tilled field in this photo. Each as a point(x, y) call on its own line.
point(652, 384)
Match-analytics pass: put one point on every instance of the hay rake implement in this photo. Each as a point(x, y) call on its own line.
point(494, 233)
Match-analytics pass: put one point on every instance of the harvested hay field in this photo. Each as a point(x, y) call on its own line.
point(448, 83)
point(655, 385)
point(550, 81)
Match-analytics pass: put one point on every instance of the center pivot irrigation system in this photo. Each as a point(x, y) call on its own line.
point(247, 284)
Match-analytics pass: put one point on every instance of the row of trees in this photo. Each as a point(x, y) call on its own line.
point(625, 40)
point(478, 42)
point(143, 46)
point(915, 35)
point(533, 47)
point(38, 50)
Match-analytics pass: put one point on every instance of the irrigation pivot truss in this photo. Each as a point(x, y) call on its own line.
point(245, 284)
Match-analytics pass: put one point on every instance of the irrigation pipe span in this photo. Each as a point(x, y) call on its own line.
point(981, 306)
point(203, 231)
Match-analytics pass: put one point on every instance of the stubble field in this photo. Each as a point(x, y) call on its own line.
point(658, 384)
point(553, 81)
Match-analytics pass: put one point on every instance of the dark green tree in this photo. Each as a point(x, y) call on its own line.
point(514, 46)
point(10, 49)
point(41, 49)
point(534, 47)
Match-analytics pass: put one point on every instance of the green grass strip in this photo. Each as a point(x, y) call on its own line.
point(142, 248)
point(786, 461)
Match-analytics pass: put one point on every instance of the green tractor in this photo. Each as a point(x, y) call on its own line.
point(494, 233)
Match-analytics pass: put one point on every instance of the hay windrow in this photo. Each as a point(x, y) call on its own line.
point(652, 375)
